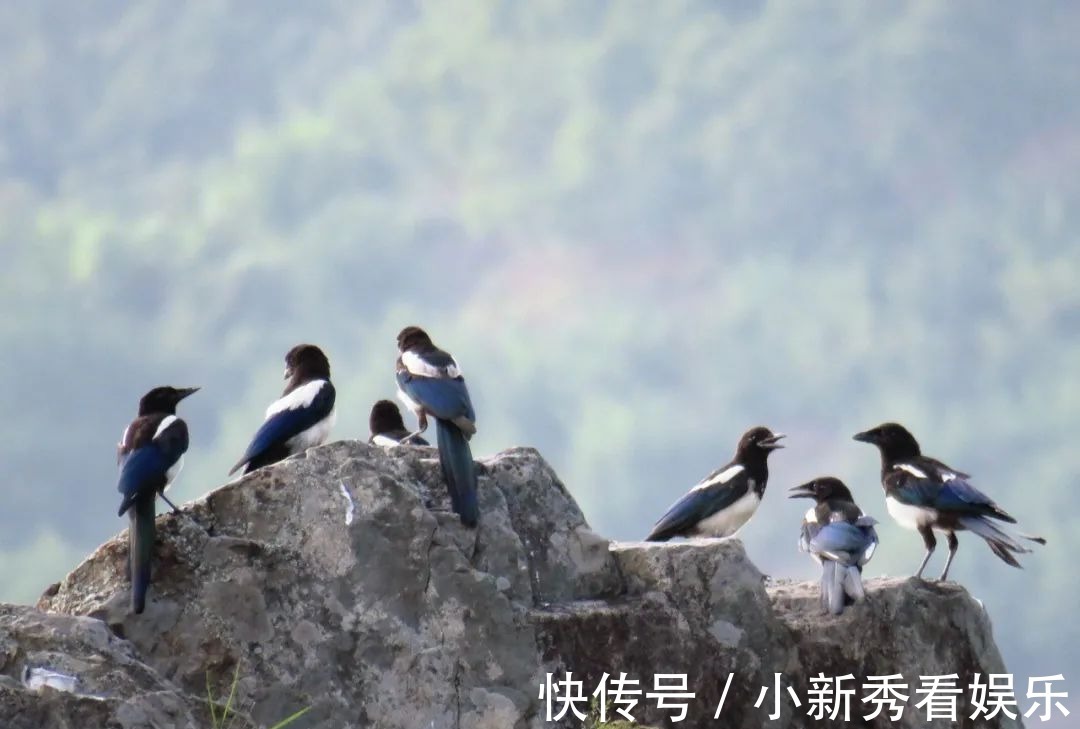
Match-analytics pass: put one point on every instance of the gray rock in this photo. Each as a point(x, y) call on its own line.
point(107, 685)
point(340, 580)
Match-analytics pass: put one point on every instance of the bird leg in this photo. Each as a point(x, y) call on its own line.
point(177, 511)
point(953, 544)
point(931, 543)
point(421, 420)
point(166, 498)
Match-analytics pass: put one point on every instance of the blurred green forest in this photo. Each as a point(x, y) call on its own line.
point(641, 227)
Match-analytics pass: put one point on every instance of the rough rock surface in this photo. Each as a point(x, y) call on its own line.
point(114, 688)
point(339, 580)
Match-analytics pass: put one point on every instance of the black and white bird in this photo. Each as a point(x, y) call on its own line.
point(388, 427)
point(150, 455)
point(839, 537)
point(430, 383)
point(725, 499)
point(301, 418)
point(924, 494)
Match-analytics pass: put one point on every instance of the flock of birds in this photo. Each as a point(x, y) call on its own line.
point(921, 493)
point(430, 383)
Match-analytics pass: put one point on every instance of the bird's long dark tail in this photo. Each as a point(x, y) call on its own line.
point(460, 471)
point(1001, 542)
point(140, 548)
point(841, 584)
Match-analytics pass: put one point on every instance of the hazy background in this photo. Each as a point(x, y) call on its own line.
point(641, 227)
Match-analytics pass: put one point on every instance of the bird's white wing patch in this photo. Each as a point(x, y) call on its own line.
point(453, 369)
point(301, 397)
point(382, 440)
point(416, 365)
point(723, 477)
point(164, 425)
point(916, 472)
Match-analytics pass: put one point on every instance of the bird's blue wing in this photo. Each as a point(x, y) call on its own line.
point(843, 541)
point(698, 504)
point(445, 398)
point(142, 471)
point(954, 496)
point(911, 490)
point(960, 496)
point(285, 424)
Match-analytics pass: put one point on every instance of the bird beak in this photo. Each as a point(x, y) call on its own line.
point(773, 443)
point(805, 491)
point(288, 374)
point(867, 436)
point(187, 391)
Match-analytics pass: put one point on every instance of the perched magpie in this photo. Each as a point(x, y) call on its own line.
point(430, 383)
point(387, 427)
point(150, 455)
point(924, 494)
point(725, 499)
point(839, 537)
point(301, 418)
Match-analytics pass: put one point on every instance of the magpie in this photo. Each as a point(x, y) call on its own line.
point(924, 494)
point(725, 499)
point(387, 427)
point(839, 537)
point(150, 455)
point(301, 418)
point(430, 383)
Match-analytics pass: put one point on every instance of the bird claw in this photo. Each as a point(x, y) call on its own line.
point(408, 440)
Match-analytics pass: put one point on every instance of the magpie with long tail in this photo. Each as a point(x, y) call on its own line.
point(430, 383)
point(839, 537)
point(301, 418)
point(924, 494)
point(388, 428)
point(723, 501)
point(150, 455)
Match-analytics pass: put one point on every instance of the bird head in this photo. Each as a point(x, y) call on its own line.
point(164, 399)
point(758, 443)
point(825, 488)
point(892, 439)
point(412, 338)
point(385, 416)
point(306, 362)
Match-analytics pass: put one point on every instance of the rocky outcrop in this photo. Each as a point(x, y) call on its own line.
point(340, 581)
point(60, 671)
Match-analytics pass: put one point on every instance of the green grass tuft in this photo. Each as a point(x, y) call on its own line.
point(229, 713)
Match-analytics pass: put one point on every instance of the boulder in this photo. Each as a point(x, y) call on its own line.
point(340, 580)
